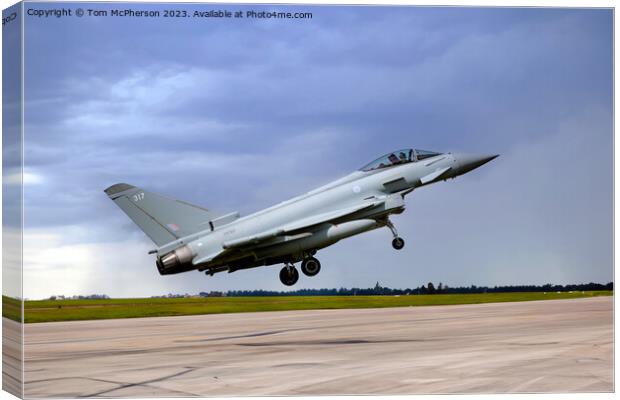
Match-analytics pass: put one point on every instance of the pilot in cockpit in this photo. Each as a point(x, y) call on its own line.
point(403, 157)
point(393, 159)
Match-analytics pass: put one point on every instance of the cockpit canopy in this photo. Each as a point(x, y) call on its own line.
point(399, 157)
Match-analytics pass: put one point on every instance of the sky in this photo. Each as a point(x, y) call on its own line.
point(11, 150)
point(240, 114)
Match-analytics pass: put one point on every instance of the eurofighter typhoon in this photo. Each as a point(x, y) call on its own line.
point(190, 237)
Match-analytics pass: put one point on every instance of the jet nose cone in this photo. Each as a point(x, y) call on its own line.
point(468, 162)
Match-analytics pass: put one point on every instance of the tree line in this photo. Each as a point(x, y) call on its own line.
point(429, 288)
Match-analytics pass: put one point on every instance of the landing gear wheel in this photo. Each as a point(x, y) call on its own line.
point(289, 275)
point(310, 266)
point(398, 243)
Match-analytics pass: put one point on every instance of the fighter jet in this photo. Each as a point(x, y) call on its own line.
point(190, 237)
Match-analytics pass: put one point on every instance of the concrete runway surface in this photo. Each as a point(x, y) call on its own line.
point(539, 346)
point(12, 357)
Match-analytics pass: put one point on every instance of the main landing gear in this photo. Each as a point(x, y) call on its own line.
point(310, 266)
point(289, 275)
point(398, 243)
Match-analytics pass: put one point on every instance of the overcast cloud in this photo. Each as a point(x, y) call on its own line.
point(239, 115)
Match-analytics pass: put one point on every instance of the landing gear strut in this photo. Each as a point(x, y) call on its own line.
point(398, 242)
point(310, 266)
point(289, 275)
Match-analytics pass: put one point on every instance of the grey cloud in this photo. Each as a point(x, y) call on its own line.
point(243, 116)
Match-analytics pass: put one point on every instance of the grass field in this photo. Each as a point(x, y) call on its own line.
point(11, 308)
point(72, 310)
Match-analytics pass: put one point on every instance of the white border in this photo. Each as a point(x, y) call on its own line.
point(475, 3)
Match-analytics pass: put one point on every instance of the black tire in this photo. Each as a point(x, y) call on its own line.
point(310, 266)
point(398, 243)
point(289, 276)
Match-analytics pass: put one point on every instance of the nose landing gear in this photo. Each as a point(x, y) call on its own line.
point(398, 243)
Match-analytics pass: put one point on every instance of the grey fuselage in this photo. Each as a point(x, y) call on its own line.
point(382, 189)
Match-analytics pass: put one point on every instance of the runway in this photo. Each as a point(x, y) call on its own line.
point(538, 346)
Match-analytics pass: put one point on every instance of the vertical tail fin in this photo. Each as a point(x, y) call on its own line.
point(162, 219)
